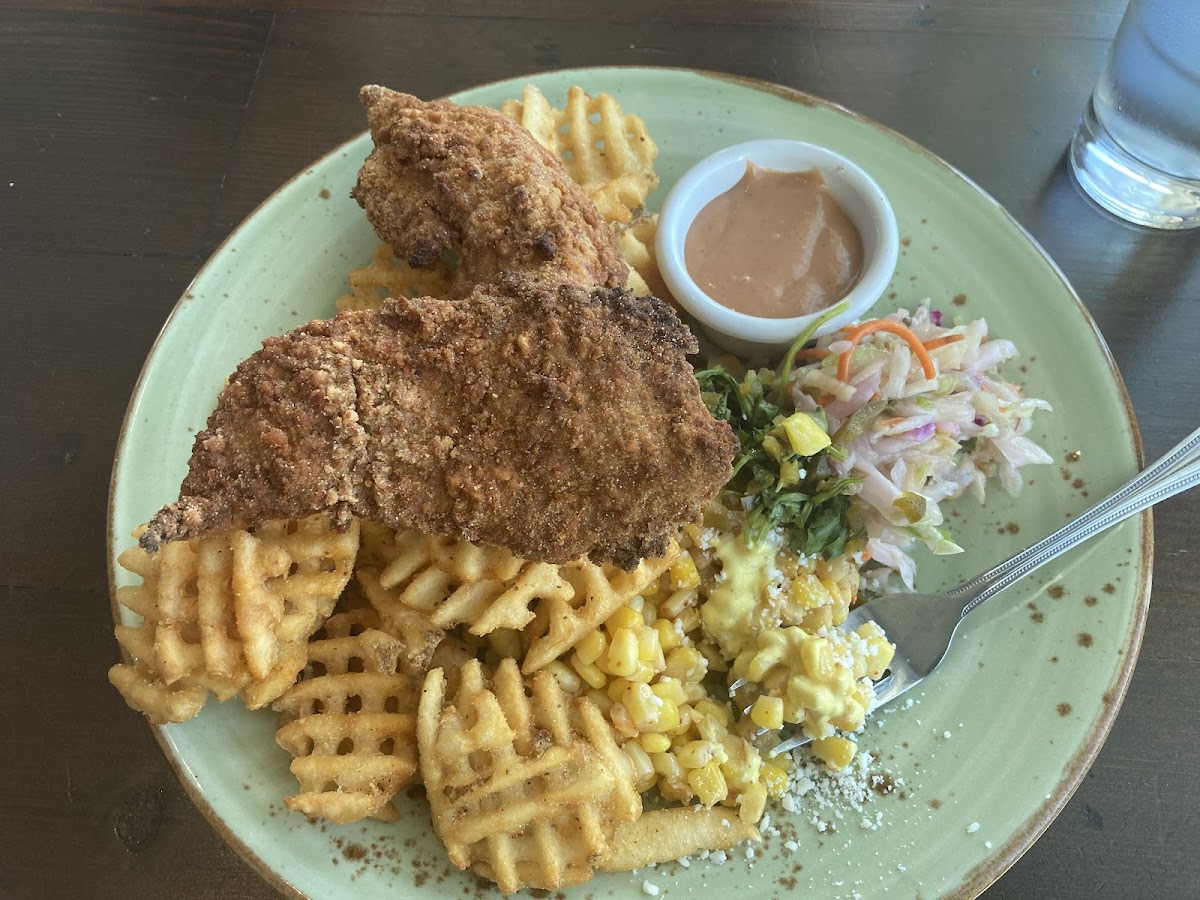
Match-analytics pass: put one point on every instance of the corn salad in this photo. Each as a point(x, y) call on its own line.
point(646, 669)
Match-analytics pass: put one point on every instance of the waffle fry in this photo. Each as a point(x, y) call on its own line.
point(636, 243)
point(385, 276)
point(351, 722)
point(597, 592)
point(526, 791)
point(608, 152)
point(226, 614)
point(423, 586)
point(410, 625)
point(662, 835)
point(446, 582)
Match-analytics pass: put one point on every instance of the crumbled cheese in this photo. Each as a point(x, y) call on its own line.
point(972, 828)
point(988, 844)
point(946, 735)
point(792, 846)
point(650, 888)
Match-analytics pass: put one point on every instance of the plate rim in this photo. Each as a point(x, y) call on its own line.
point(984, 874)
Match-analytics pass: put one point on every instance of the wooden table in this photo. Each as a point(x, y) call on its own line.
point(132, 141)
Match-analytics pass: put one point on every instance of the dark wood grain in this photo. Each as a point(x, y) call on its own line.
point(135, 138)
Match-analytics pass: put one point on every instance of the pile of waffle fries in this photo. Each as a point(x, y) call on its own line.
point(537, 703)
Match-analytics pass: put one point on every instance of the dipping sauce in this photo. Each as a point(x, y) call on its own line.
point(775, 245)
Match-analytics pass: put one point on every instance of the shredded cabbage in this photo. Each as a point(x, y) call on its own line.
point(913, 441)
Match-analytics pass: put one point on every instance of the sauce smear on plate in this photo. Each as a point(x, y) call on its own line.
point(775, 245)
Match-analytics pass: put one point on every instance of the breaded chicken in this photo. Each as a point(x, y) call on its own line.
point(470, 180)
point(553, 420)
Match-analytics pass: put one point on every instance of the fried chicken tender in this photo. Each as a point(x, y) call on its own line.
point(468, 179)
point(555, 421)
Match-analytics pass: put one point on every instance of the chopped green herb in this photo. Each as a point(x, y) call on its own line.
point(801, 495)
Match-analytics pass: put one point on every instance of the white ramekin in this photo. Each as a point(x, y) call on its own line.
point(854, 190)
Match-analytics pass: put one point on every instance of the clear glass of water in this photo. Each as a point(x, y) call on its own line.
point(1137, 150)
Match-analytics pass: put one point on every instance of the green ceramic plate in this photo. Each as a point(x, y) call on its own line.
point(1005, 729)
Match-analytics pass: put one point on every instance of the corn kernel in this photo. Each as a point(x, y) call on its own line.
point(772, 447)
point(807, 590)
point(686, 664)
point(835, 752)
point(643, 706)
point(851, 718)
point(695, 691)
point(616, 689)
point(816, 619)
point(622, 721)
point(805, 435)
point(742, 763)
point(683, 573)
point(710, 727)
point(648, 648)
point(752, 803)
point(676, 791)
point(653, 590)
point(675, 604)
point(672, 780)
point(622, 655)
point(776, 680)
point(668, 637)
point(654, 743)
point(713, 658)
point(695, 754)
point(767, 712)
point(649, 613)
point(643, 768)
point(689, 619)
point(684, 724)
point(718, 711)
point(863, 696)
point(644, 673)
point(625, 617)
point(789, 473)
point(708, 783)
point(774, 779)
point(879, 656)
point(666, 718)
point(588, 672)
point(591, 647)
point(817, 656)
point(670, 690)
point(567, 679)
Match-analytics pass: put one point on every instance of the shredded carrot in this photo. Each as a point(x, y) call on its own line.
point(894, 420)
point(943, 341)
point(857, 333)
point(866, 555)
point(812, 353)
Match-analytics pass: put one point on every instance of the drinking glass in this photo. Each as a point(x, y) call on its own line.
point(1137, 149)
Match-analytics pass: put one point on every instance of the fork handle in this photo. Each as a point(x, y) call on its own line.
point(1177, 471)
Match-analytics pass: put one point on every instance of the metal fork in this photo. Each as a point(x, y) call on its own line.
point(922, 625)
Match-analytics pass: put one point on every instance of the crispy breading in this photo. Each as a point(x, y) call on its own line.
point(555, 421)
point(467, 179)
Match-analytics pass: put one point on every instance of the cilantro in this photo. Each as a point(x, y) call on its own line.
point(800, 495)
